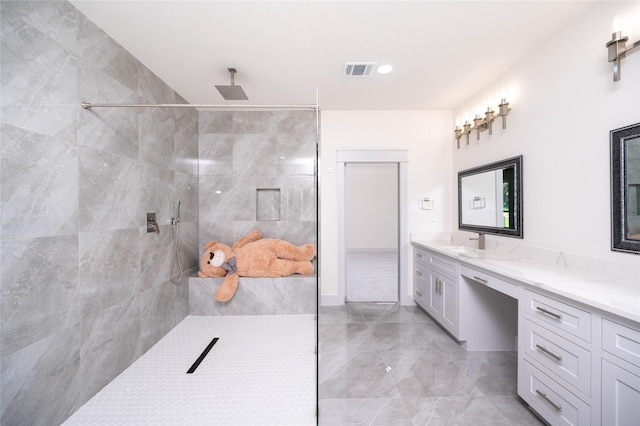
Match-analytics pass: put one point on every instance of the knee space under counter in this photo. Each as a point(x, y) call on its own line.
point(488, 311)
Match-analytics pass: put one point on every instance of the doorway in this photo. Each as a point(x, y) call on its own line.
point(371, 232)
point(398, 160)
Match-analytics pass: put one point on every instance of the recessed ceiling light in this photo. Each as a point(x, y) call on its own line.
point(384, 69)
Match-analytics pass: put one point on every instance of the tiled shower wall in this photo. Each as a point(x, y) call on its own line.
point(85, 289)
point(244, 152)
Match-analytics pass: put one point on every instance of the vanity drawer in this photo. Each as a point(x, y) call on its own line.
point(420, 273)
point(497, 284)
point(621, 341)
point(566, 360)
point(556, 404)
point(559, 315)
point(420, 294)
point(445, 266)
point(420, 256)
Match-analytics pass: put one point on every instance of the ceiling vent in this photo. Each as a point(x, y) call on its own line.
point(358, 69)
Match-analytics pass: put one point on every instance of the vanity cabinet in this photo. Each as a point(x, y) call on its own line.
point(578, 362)
point(620, 374)
point(420, 278)
point(435, 288)
point(555, 360)
point(443, 301)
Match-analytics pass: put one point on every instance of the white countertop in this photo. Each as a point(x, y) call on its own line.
point(596, 287)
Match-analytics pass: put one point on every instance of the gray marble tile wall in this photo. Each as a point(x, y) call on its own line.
point(243, 151)
point(84, 289)
point(292, 295)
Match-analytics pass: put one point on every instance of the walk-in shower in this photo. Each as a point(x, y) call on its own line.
point(262, 368)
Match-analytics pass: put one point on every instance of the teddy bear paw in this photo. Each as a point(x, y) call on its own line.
point(309, 251)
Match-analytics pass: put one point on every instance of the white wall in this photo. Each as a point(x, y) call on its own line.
point(427, 137)
point(371, 206)
point(564, 103)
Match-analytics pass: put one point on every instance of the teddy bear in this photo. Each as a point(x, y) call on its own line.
point(253, 256)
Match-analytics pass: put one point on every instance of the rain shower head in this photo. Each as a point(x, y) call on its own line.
point(232, 92)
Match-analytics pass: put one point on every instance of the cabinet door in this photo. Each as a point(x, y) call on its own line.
point(435, 297)
point(620, 396)
point(449, 295)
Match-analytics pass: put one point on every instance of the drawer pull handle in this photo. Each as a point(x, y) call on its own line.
point(481, 280)
point(419, 255)
point(552, 314)
point(548, 352)
point(546, 398)
point(418, 273)
point(419, 294)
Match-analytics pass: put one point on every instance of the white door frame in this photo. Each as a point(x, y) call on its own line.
point(399, 157)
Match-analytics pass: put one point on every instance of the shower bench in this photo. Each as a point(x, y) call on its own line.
point(291, 295)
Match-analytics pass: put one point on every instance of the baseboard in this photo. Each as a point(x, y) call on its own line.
point(331, 300)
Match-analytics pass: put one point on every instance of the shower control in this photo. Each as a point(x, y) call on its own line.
point(176, 220)
point(152, 225)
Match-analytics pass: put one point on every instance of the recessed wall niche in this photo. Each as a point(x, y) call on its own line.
point(268, 204)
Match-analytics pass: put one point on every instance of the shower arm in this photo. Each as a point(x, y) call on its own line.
point(89, 105)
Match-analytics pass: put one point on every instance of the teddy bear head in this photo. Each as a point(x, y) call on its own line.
point(215, 254)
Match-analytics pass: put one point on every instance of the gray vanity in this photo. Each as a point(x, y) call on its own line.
point(574, 321)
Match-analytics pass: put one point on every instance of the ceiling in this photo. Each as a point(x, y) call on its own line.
point(285, 52)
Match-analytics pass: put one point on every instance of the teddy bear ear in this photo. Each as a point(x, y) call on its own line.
point(210, 244)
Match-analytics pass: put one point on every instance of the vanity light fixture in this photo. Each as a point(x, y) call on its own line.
point(467, 130)
point(618, 49)
point(458, 133)
point(489, 117)
point(481, 124)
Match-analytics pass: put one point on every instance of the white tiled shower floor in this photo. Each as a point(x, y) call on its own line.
point(261, 371)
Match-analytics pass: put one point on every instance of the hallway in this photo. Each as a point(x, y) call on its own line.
point(383, 364)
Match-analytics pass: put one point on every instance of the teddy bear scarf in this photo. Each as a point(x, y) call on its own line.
point(230, 265)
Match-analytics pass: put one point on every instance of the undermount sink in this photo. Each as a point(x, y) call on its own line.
point(461, 250)
point(476, 253)
point(457, 249)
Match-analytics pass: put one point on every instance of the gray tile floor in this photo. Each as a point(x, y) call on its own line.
point(384, 364)
point(372, 275)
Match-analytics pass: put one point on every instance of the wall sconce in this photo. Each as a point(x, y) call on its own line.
point(426, 203)
point(481, 124)
point(477, 203)
point(467, 130)
point(458, 133)
point(618, 49)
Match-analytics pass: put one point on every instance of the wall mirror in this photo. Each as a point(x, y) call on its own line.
point(490, 198)
point(625, 189)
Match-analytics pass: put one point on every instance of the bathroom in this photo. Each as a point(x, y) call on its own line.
point(79, 199)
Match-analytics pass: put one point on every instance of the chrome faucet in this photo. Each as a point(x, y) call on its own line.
point(481, 240)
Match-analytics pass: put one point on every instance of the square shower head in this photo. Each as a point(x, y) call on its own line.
point(232, 93)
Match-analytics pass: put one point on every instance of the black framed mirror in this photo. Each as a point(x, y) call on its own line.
point(490, 198)
point(625, 189)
